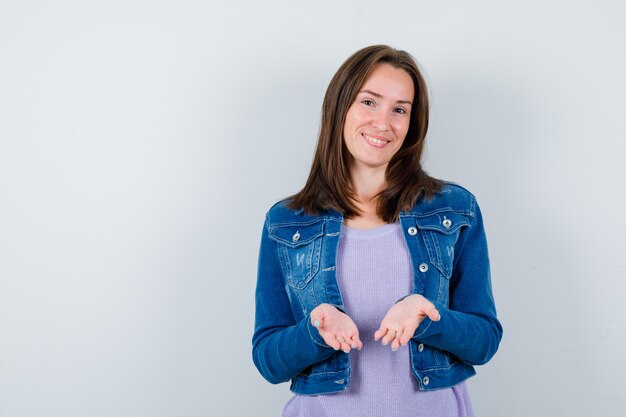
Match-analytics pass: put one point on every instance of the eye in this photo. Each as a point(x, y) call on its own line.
point(367, 102)
point(400, 110)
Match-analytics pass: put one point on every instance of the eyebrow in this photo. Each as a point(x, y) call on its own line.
point(380, 96)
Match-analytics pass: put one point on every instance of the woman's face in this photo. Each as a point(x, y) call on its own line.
point(378, 120)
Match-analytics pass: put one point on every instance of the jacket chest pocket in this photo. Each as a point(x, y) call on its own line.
point(299, 247)
point(440, 232)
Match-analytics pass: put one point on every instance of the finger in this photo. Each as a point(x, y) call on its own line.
point(395, 344)
point(333, 343)
point(407, 334)
point(330, 340)
point(353, 337)
point(346, 342)
point(380, 333)
point(355, 342)
point(343, 343)
point(391, 334)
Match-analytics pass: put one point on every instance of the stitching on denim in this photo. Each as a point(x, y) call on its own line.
point(440, 210)
point(309, 261)
point(288, 291)
point(412, 243)
point(323, 373)
point(436, 358)
point(330, 268)
point(432, 240)
point(435, 242)
point(297, 293)
point(317, 253)
point(291, 243)
point(313, 297)
point(326, 292)
point(473, 205)
point(343, 388)
point(458, 253)
point(441, 359)
point(321, 219)
point(438, 224)
point(442, 288)
point(313, 254)
point(333, 234)
point(285, 265)
point(440, 368)
point(432, 256)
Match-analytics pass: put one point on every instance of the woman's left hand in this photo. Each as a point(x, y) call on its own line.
point(402, 319)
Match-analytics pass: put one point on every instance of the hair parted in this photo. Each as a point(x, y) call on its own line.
point(328, 185)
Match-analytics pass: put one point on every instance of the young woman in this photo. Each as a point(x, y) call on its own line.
point(374, 293)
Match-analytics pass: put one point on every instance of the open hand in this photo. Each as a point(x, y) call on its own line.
point(336, 328)
point(403, 318)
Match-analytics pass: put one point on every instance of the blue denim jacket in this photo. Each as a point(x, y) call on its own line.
point(297, 272)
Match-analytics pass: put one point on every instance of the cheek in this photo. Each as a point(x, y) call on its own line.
point(402, 128)
point(354, 117)
point(351, 124)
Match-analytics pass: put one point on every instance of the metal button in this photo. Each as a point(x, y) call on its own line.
point(447, 223)
point(426, 380)
point(420, 347)
point(296, 237)
point(412, 230)
point(423, 267)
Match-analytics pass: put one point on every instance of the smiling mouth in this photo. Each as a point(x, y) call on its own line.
point(377, 142)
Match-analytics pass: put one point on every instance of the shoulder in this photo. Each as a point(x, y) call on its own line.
point(452, 196)
point(281, 214)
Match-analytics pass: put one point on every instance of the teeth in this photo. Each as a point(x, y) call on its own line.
point(374, 140)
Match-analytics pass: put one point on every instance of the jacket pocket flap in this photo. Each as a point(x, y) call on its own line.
point(446, 222)
point(297, 234)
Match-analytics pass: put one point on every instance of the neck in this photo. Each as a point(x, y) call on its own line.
point(367, 183)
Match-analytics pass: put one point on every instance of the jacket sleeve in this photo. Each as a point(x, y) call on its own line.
point(469, 327)
point(281, 346)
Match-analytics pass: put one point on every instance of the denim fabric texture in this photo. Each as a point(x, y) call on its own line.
point(297, 272)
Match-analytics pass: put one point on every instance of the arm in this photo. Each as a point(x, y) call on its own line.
point(468, 328)
point(281, 346)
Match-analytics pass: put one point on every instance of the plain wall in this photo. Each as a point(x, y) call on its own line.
point(141, 143)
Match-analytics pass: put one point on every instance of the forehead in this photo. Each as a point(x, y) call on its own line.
point(390, 82)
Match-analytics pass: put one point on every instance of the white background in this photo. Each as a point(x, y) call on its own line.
point(141, 143)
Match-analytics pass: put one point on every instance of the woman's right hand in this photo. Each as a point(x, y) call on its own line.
point(336, 328)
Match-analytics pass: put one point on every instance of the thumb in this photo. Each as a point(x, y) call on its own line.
point(433, 314)
point(317, 318)
point(429, 309)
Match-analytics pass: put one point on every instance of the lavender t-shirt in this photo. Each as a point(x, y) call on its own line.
point(373, 271)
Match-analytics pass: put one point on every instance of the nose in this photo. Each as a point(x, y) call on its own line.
point(381, 120)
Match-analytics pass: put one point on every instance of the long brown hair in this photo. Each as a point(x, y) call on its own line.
point(328, 185)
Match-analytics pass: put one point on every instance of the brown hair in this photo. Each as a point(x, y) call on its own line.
point(328, 185)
